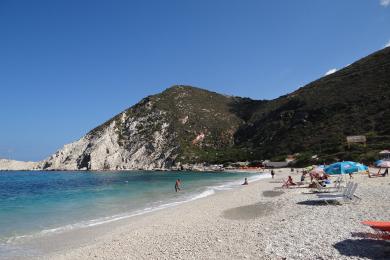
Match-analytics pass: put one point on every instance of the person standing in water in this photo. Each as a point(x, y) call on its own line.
point(177, 185)
point(245, 182)
point(272, 173)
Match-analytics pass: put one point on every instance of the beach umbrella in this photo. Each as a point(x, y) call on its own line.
point(345, 168)
point(361, 167)
point(382, 164)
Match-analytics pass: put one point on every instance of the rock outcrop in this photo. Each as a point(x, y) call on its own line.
point(17, 165)
point(180, 121)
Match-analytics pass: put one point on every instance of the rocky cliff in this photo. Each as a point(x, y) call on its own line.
point(176, 126)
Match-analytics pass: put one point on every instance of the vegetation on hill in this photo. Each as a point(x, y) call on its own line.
point(314, 120)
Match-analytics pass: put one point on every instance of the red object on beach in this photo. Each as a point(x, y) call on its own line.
point(378, 225)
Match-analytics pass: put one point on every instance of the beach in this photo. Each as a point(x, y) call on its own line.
point(258, 221)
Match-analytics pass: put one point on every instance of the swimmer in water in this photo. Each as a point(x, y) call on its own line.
point(177, 185)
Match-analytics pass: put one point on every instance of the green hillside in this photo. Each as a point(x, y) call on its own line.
point(316, 118)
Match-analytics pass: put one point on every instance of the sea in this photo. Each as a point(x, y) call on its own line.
point(38, 203)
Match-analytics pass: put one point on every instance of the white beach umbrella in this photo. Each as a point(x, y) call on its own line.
point(383, 164)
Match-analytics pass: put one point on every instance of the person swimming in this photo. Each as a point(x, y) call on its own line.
point(177, 185)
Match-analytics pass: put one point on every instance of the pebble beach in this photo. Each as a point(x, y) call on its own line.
point(257, 221)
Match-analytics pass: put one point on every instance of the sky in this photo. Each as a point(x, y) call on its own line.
point(68, 66)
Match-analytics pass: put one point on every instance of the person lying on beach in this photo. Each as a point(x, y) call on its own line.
point(177, 185)
point(378, 174)
point(245, 182)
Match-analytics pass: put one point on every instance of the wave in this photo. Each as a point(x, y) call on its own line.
point(210, 190)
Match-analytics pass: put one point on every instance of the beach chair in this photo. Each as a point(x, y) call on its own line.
point(347, 196)
point(336, 188)
point(345, 192)
point(381, 227)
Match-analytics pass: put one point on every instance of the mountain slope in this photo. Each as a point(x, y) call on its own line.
point(319, 116)
point(188, 125)
point(182, 124)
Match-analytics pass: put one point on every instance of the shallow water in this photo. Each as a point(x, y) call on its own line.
point(35, 203)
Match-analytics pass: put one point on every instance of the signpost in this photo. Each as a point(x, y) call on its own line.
point(356, 139)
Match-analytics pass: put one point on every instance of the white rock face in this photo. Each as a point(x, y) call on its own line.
point(13, 165)
point(121, 145)
point(159, 132)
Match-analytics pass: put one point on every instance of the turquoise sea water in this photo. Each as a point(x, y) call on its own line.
point(35, 203)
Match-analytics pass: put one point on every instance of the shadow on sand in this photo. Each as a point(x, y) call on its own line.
point(272, 193)
point(364, 248)
point(249, 212)
point(318, 203)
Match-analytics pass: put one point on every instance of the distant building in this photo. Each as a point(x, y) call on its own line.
point(275, 164)
point(356, 139)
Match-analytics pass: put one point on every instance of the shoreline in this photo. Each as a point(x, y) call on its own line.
point(250, 222)
point(26, 241)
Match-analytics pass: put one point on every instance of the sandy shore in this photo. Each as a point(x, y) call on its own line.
point(258, 221)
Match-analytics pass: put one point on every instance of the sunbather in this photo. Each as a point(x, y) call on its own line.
point(290, 181)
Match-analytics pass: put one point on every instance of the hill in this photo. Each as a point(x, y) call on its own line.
point(185, 124)
point(316, 118)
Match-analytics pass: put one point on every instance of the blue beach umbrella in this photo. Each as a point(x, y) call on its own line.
point(345, 168)
point(361, 167)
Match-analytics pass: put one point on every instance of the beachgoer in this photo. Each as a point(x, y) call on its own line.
point(303, 176)
point(386, 172)
point(350, 175)
point(290, 181)
point(272, 173)
point(324, 176)
point(245, 182)
point(177, 185)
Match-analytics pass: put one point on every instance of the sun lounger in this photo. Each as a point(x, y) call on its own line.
point(345, 192)
point(347, 196)
point(377, 174)
point(382, 227)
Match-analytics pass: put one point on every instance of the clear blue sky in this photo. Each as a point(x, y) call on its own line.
point(68, 66)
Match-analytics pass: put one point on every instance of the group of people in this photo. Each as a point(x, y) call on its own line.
point(323, 179)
